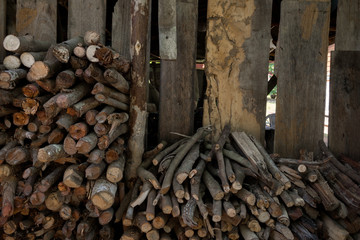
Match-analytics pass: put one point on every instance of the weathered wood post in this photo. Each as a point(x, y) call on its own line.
point(37, 18)
point(2, 27)
point(85, 16)
point(177, 34)
point(344, 115)
point(140, 20)
point(300, 66)
point(121, 28)
point(237, 52)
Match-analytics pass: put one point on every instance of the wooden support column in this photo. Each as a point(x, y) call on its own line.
point(121, 23)
point(300, 65)
point(344, 115)
point(177, 34)
point(2, 28)
point(237, 59)
point(85, 15)
point(140, 26)
point(344, 127)
point(37, 18)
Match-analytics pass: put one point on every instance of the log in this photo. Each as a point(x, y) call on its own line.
point(94, 170)
point(78, 130)
point(101, 129)
point(25, 43)
point(105, 141)
point(63, 51)
point(116, 119)
point(141, 222)
point(333, 229)
point(12, 62)
point(111, 101)
point(8, 194)
point(131, 233)
point(17, 155)
point(80, 108)
point(115, 150)
point(70, 145)
point(51, 179)
point(161, 220)
point(115, 79)
point(44, 69)
point(56, 136)
point(65, 80)
point(51, 152)
point(101, 88)
point(9, 79)
point(106, 216)
point(74, 176)
point(90, 53)
point(90, 117)
point(213, 186)
point(87, 143)
point(29, 58)
point(247, 234)
point(114, 172)
point(54, 201)
point(47, 84)
point(187, 164)
point(103, 194)
point(20, 119)
point(96, 156)
point(66, 100)
point(101, 117)
point(246, 196)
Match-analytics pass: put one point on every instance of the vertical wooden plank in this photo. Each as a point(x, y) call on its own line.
point(301, 70)
point(344, 125)
point(120, 37)
point(167, 29)
point(140, 28)
point(85, 15)
point(2, 28)
point(237, 58)
point(348, 26)
point(38, 18)
point(177, 76)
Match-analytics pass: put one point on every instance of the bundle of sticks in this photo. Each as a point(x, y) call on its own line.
point(63, 115)
point(232, 189)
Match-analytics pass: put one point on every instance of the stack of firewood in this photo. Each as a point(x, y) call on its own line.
point(234, 190)
point(63, 115)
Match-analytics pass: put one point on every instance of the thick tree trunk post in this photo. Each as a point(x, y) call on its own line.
point(344, 91)
point(37, 18)
point(2, 27)
point(140, 20)
point(121, 24)
point(177, 34)
point(301, 85)
point(237, 65)
point(85, 16)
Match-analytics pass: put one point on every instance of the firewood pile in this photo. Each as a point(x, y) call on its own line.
point(64, 112)
point(234, 190)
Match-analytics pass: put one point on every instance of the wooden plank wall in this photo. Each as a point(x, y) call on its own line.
point(348, 26)
point(237, 65)
point(2, 27)
point(38, 18)
point(176, 111)
point(301, 70)
point(120, 38)
point(85, 15)
point(344, 114)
